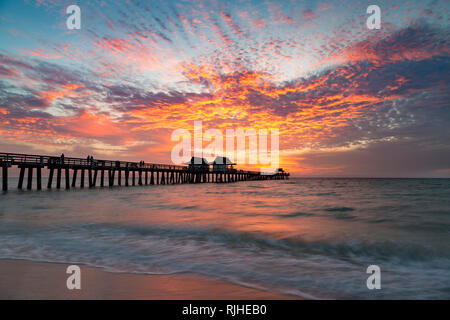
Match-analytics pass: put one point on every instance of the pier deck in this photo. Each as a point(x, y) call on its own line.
point(97, 170)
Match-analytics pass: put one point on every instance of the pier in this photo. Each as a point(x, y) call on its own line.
point(103, 173)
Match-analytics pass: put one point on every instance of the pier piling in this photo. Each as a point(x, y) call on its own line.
point(66, 173)
point(58, 178)
point(82, 179)
point(50, 178)
point(102, 178)
point(30, 178)
point(21, 176)
point(39, 178)
point(90, 178)
point(74, 177)
point(4, 177)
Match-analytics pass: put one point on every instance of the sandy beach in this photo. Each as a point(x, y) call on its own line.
point(36, 280)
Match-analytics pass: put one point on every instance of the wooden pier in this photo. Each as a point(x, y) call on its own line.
point(97, 170)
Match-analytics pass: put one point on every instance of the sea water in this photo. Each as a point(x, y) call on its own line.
point(312, 238)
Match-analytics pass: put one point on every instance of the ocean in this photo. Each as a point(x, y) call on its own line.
point(309, 237)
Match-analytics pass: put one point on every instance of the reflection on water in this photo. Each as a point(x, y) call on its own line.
point(308, 237)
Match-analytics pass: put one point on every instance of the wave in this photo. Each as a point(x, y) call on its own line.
point(296, 245)
point(340, 209)
point(297, 214)
point(381, 249)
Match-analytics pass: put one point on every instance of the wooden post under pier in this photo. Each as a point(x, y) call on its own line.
point(74, 177)
point(21, 176)
point(90, 177)
point(82, 179)
point(4, 177)
point(66, 173)
point(50, 178)
point(30, 178)
point(39, 177)
point(102, 178)
point(94, 183)
point(58, 178)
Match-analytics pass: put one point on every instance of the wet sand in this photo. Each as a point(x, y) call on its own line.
point(36, 280)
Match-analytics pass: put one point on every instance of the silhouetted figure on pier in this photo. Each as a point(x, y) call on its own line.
point(62, 158)
point(90, 160)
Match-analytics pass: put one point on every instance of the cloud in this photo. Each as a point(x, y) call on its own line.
point(344, 101)
point(417, 42)
point(394, 159)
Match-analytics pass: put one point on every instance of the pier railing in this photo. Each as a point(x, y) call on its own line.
point(33, 159)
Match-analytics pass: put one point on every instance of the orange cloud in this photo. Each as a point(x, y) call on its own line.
point(66, 90)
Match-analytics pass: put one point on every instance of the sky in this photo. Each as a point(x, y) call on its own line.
point(348, 101)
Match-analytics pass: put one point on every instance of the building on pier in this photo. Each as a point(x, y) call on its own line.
point(198, 164)
point(223, 164)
